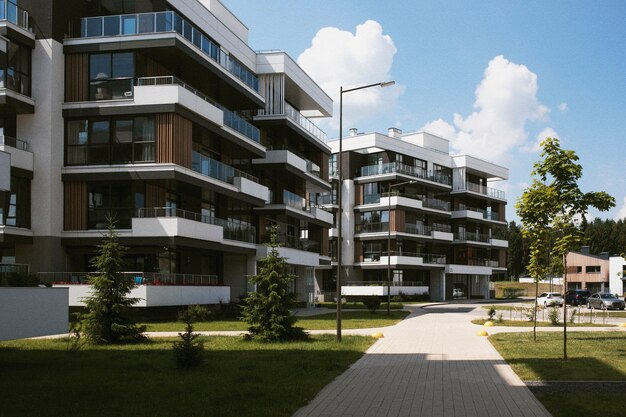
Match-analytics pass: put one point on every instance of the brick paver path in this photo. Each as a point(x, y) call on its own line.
point(431, 364)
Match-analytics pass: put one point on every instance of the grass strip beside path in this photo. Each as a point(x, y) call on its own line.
point(350, 320)
point(237, 378)
point(526, 323)
point(593, 356)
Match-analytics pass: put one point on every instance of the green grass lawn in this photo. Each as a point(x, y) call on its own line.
point(349, 320)
point(237, 378)
point(526, 323)
point(583, 311)
point(593, 356)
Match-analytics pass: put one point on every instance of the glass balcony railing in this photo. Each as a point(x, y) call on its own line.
point(432, 203)
point(472, 237)
point(232, 230)
point(480, 189)
point(297, 117)
point(215, 169)
point(294, 200)
point(16, 81)
point(427, 258)
point(372, 228)
point(417, 229)
point(13, 143)
point(231, 119)
point(11, 12)
point(411, 171)
point(166, 22)
point(139, 278)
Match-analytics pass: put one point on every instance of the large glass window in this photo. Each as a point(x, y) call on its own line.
point(110, 141)
point(111, 75)
point(15, 68)
point(109, 199)
point(15, 204)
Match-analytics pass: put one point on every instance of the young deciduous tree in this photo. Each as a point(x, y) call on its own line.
point(268, 310)
point(549, 207)
point(107, 319)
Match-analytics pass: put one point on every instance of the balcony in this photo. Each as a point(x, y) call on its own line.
point(297, 165)
point(406, 200)
point(218, 170)
point(10, 269)
point(379, 288)
point(20, 156)
point(296, 204)
point(297, 118)
point(166, 22)
point(410, 171)
point(372, 228)
point(12, 13)
point(15, 92)
point(471, 237)
point(420, 230)
point(230, 230)
point(13, 143)
point(479, 189)
point(475, 213)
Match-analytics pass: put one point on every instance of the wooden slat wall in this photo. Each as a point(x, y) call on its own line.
point(173, 142)
point(75, 210)
point(154, 69)
point(76, 77)
point(358, 251)
point(397, 220)
point(155, 195)
point(358, 194)
point(324, 167)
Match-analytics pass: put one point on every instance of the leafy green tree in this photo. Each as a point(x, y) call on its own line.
point(518, 256)
point(549, 208)
point(107, 319)
point(268, 310)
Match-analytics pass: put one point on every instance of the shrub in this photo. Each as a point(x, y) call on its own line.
point(491, 313)
point(188, 350)
point(372, 303)
point(572, 315)
point(196, 312)
point(554, 315)
point(530, 314)
point(500, 320)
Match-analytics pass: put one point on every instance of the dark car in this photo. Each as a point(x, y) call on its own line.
point(605, 301)
point(577, 297)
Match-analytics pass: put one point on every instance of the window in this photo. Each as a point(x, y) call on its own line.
point(111, 75)
point(592, 269)
point(15, 204)
point(15, 69)
point(107, 199)
point(371, 251)
point(110, 141)
point(371, 193)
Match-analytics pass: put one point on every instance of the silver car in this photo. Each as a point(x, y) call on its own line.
point(605, 301)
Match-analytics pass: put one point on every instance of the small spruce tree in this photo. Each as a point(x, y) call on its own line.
point(188, 350)
point(268, 310)
point(107, 319)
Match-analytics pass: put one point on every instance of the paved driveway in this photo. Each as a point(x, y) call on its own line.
point(431, 364)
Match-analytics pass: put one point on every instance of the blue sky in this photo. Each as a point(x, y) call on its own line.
point(557, 65)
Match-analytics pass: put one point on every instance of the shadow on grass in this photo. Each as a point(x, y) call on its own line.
point(237, 377)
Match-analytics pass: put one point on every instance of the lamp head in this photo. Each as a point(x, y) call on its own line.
point(387, 84)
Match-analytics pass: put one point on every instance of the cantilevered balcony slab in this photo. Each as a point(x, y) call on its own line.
point(294, 256)
point(468, 269)
point(297, 166)
point(499, 243)
point(20, 157)
point(10, 234)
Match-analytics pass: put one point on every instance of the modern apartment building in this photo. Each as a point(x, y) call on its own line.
point(158, 112)
point(412, 210)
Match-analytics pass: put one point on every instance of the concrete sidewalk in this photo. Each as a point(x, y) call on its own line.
point(431, 364)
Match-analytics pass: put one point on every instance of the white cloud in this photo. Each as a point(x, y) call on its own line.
point(563, 107)
point(621, 214)
point(340, 58)
point(506, 99)
point(535, 147)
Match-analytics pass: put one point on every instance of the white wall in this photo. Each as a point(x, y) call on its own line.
point(616, 268)
point(159, 295)
point(31, 312)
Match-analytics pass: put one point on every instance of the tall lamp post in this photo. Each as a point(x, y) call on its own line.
point(339, 196)
point(389, 242)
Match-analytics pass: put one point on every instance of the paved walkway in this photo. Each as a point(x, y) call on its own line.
point(431, 364)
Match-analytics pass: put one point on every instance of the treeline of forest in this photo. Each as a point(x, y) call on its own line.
point(600, 235)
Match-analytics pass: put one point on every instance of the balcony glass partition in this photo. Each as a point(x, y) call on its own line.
point(231, 119)
point(401, 168)
point(218, 170)
point(166, 22)
point(14, 143)
point(11, 12)
point(231, 230)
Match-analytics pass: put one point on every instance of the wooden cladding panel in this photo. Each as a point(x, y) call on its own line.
point(75, 206)
point(324, 167)
point(358, 251)
point(173, 142)
point(77, 77)
point(155, 195)
point(397, 220)
point(154, 69)
point(358, 194)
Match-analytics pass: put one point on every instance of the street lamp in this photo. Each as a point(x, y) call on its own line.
point(339, 211)
point(389, 242)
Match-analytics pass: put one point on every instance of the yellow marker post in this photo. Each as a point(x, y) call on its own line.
point(482, 333)
point(378, 335)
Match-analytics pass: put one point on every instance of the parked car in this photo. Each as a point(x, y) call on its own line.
point(605, 301)
point(548, 299)
point(577, 297)
point(457, 292)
